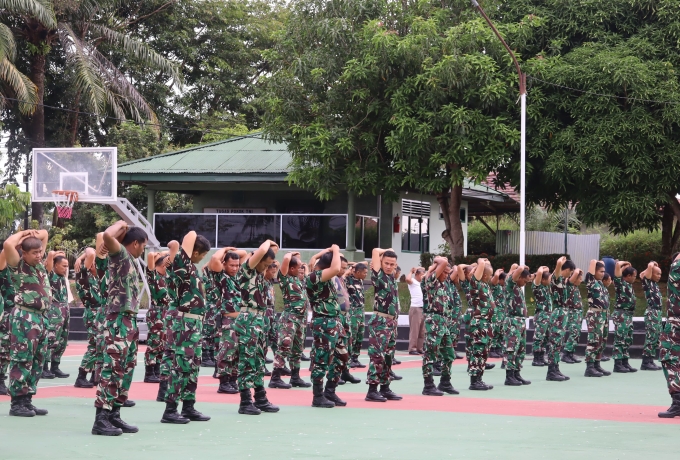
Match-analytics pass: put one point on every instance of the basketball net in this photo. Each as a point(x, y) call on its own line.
point(64, 201)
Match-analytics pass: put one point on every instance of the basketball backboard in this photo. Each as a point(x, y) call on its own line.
point(89, 171)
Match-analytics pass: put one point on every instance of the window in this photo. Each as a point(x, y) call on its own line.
point(168, 227)
point(415, 226)
point(247, 231)
point(366, 233)
point(313, 232)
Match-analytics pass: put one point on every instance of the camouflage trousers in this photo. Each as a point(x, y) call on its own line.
point(438, 345)
point(330, 348)
point(670, 356)
point(574, 323)
point(28, 346)
point(623, 338)
point(595, 320)
point(498, 322)
point(272, 331)
point(186, 364)
point(4, 340)
point(120, 358)
point(357, 328)
point(169, 317)
point(59, 317)
point(154, 343)
point(250, 328)
point(100, 322)
point(652, 332)
point(227, 355)
point(541, 323)
point(467, 317)
point(382, 341)
point(209, 329)
point(480, 335)
point(89, 361)
point(515, 331)
point(291, 340)
point(558, 328)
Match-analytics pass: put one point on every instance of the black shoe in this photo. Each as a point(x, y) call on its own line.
point(538, 360)
point(395, 361)
point(394, 376)
point(267, 372)
point(57, 372)
point(206, 361)
point(489, 366)
point(340, 381)
point(521, 379)
point(304, 357)
point(413, 352)
point(276, 381)
point(81, 380)
point(459, 355)
point(188, 411)
point(566, 358)
point(246, 406)
point(129, 403)
point(28, 402)
point(446, 387)
point(268, 361)
point(227, 386)
point(574, 358)
point(674, 410)
point(648, 364)
point(599, 369)
point(296, 381)
point(476, 383)
point(329, 394)
point(3, 388)
point(261, 401)
point(437, 369)
point(619, 367)
point(493, 353)
point(150, 375)
point(46, 374)
point(172, 416)
point(591, 371)
point(162, 389)
point(504, 364)
point(557, 366)
point(93, 378)
point(605, 358)
point(628, 366)
point(510, 379)
point(18, 407)
point(374, 395)
point(319, 398)
point(116, 421)
point(285, 371)
point(554, 375)
point(389, 394)
point(157, 370)
point(430, 389)
point(357, 363)
point(347, 377)
point(102, 425)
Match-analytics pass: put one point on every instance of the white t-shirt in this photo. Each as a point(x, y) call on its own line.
point(416, 293)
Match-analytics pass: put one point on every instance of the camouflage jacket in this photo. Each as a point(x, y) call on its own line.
point(542, 297)
point(32, 286)
point(438, 300)
point(123, 283)
point(482, 301)
point(386, 293)
point(598, 295)
point(160, 298)
point(294, 294)
point(625, 297)
point(190, 288)
point(355, 290)
point(673, 313)
point(465, 286)
point(574, 300)
point(652, 294)
point(514, 294)
point(558, 291)
point(253, 287)
point(456, 304)
point(102, 269)
point(323, 295)
point(229, 295)
point(7, 289)
point(58, 285)
point(87, 287)
point(499, 294)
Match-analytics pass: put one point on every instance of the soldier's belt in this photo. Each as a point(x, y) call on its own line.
point(231, 315)
point(385, 315)
point(254, 311)
point(30, 310)
point(181, 314)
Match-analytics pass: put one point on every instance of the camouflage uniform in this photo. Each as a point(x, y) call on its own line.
point(558, 317)
point(7, 298)
point(154, 317)
point(228, 304)
point(498, 320)
point(355, 290)
point(87, 287)
point(467, 317)
point(598, 306)
point(28, 327)
point(120, 331)
point(269, 325)
point(186, 330)
point(210, 320)
point(670, 338)
point(574, 317)
point(453, 320)
point(541, 317)
point(515, 325)
point(623, 318)
point(480, 326)
point(381, 327)
point(59, 317)
point(102, 269)
point(438, 339)
point(653, 316)
point(291, 323)
point(168, 319)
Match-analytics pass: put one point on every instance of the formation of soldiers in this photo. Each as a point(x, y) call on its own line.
point(223, 316)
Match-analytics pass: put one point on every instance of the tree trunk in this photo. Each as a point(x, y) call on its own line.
point(74, 121)
point(450, 204)
point(37, 123)
point(670, 233)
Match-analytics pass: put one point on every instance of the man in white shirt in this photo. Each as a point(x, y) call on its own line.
point(416, 336)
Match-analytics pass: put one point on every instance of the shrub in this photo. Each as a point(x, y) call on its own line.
point(505, 261)
point(627, 247)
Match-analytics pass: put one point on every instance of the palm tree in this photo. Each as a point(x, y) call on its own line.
point(83, 28)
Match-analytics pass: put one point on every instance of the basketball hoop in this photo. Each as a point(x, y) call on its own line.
point(64, 201)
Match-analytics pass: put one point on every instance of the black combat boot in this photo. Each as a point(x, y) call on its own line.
point(190, 412)
point(554, 375)
point(557, 367)
point(648, 364)
point(493, 353)
point(374, 395)
point(504, 364)
point(266, 372)
point(319, 398)
point(605, 358)
point(206, 361)
point(285, 371)
point(598, 367)
point(358, 363)
point(430, 389)
point(261, 401)
point(395, 361)
point(619, 367)
point(268, 360)
point(129, 403)
point(46, 374)
point(628, 366)
point(102, 426)
point(574, 358)
point(246, 406)
point(276, 381)
point(3, 387)
point(521, 379)
point(566, 358)
point(437, 369)
point(476, 383)
point(150, 375)
point(340, 381)
point(674, 410)
point(162, 389)
point(538, 359)
point(510, 379)
point(347, 377)
point(394, 376)
point(116, 421)
point(172, 416)
point(28, 402)
point(157, 371)
point(226, 386)
point(18, 407)
point(81, 380)
point(389, 394)
point(216, 374)
point(57, 372)
point(489, 366)
point(304, 357)
point(446, 387)
point(296, 381)
point(329, 394)
point(591, 371)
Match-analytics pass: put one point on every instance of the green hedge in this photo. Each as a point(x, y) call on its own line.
point(503, 261)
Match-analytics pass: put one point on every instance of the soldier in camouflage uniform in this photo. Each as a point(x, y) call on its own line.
point(381, 327)
point(250, 327)
point(480, 330)
point(167, 338)
point(59, 315)
point(670, 340)
point(270, 338)
point(453, 321)
point(28, 324)
point(124, 246)
point(355, 289)
point(7, 302)
point(541, 290)
point(209, 322)
point(515, 325)
point(187, 329)
point(624, 277)
point(87, 288)
point(574, 318)
point(558, 318)
point(650, 283)
point(156, 269)
point(598, 307)
point(497, 343)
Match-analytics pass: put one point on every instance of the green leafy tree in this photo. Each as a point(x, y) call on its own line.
point(13, 203)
